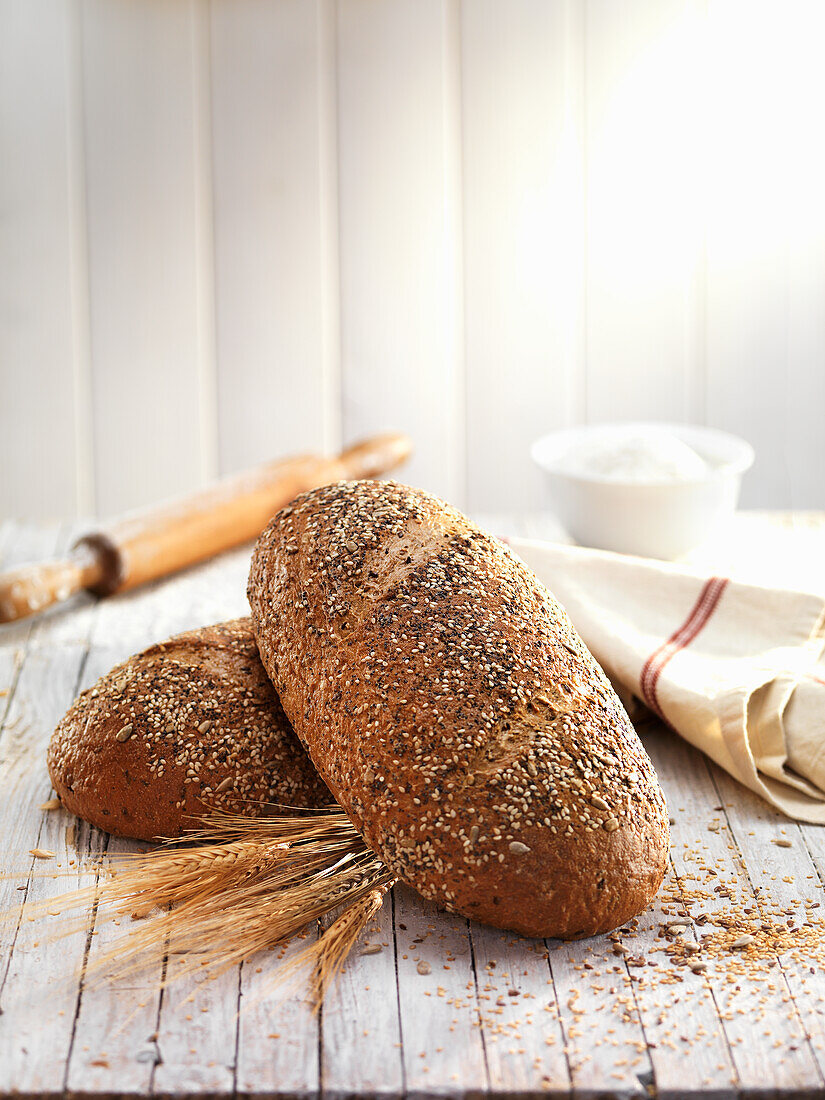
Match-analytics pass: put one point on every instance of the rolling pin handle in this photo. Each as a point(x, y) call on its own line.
point(33, 588)
point(375, 456)
point(146, 546)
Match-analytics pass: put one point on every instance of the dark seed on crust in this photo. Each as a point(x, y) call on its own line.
point(437, 683)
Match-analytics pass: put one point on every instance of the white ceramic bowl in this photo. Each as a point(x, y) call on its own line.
point(656, 520)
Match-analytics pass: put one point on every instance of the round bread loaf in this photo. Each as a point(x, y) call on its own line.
point(455, 714)
point(187, 725)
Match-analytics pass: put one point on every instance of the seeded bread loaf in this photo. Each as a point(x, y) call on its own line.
point(454, 713)
point(187, 725)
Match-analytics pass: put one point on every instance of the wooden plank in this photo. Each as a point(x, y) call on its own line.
point(278, 1032)
point(813, 837)
point(523, 1039)
point(132, 1035)
point(622, 1030)
point(671, 1011)
point(113, 1044)
point(23, 544)
point(275, 208)
point(790, 891)
point(659, 1005)
point(19, 545)
point(40, 988)
point(360, 1019)
point(523, 222)
point(644, 210)
point(114, 1017)
point(678, 1012)
point(682, 1019)
point(40, 281)
point(443, 1049)
point(398, 145)
point(704, 851)
point(197, 1055)
point(604, 1039)
point(197, 1034)
point(150, 334)
point(185, 1055)
point(197, 1025)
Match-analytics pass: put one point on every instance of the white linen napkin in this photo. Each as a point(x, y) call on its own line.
point(737, 669)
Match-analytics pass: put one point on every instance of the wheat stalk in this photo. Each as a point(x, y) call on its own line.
point(233, 887)
point(329, 953)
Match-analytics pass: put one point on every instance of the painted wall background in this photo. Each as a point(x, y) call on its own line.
point(232, 229)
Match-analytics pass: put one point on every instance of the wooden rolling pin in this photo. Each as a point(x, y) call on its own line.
point(147, 545)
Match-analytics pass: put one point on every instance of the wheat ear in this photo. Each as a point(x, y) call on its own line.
point(330, 951)
point(236, 886)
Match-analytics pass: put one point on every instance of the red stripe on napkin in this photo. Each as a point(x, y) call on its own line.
point(701, 611)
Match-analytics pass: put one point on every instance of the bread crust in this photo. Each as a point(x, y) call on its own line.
point(455, 714)
point(190, 724)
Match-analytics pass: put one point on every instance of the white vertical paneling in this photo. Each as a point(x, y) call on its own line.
point(398, 142)
point(237, 228)
point(748, 364)
point(766, 252)
point(523, 237)
point(747, 277)
point(275, 203)
point(42, 467)
point(149, 330)
point(804, 436)
point(803, 161)
point(644, 209)
point(205, 305)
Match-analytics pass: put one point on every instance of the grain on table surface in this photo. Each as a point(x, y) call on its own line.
point(437, 1005)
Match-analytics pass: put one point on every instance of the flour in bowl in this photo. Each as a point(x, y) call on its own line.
point(634, 456)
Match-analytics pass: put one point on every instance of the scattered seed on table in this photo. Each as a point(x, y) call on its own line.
point(742, 941)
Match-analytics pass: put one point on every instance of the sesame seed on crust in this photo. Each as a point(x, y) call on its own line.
point(190, 724)
point(454, 712)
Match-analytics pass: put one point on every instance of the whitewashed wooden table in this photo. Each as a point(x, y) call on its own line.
point(497, 1014)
